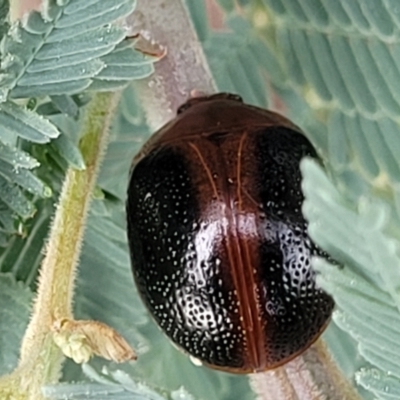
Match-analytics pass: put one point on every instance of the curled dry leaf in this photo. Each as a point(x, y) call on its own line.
point(146, 45)
point(80, 340)
point(143, 39)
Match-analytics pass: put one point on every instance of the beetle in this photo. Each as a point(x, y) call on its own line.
point(219, 246)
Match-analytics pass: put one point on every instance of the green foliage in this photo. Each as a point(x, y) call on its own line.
point(342, 58)
point(48, 58)
point(4, 7)
point(228, 54)
point(116, 385)
point(365, 290)
point(61, 50)
point(23, 253)
point(15, 304)
point(333, 67)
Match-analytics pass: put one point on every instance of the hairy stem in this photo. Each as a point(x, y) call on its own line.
point(41, 359)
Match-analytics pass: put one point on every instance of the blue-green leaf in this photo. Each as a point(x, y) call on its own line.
point(58, 52)
point(24, 123)
point(15, 304)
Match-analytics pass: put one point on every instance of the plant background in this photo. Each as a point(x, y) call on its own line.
point(333, 67)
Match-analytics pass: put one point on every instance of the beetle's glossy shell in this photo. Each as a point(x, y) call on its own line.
point(219, 246)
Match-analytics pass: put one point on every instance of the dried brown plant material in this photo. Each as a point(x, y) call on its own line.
point(80, 340)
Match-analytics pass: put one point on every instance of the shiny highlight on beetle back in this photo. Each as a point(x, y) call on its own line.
point(219, 246)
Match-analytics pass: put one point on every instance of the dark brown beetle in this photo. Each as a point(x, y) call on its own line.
point(218, 243)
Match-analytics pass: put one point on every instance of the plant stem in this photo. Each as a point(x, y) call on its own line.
point(181, 71)
point(41, 359)
point(311, 376)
